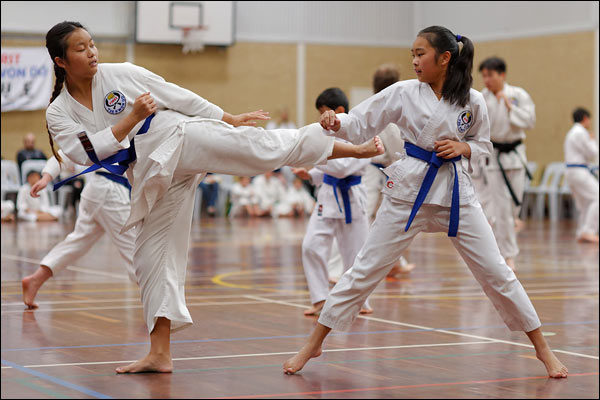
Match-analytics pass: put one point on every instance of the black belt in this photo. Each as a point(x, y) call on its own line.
point(507, 148)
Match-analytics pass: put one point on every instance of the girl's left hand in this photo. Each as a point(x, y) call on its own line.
point(450, 148)
point(249, 119)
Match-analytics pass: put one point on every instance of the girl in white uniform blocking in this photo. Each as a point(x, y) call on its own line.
point(104, 208)
point(441, 119)
point(179, 136)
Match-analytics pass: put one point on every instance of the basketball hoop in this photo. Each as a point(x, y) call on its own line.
point(192, 38)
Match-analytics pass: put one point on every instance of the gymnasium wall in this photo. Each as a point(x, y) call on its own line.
point(261, 69)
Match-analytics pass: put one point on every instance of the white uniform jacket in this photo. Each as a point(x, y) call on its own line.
point(580, 146)
point(114, 90)
point(422, 119)
point(509, 126)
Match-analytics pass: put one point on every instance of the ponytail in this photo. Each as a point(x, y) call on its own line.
point(459, 80)
point(56, 43)
point(59, 74)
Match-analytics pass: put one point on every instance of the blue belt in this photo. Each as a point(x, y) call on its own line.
point(344, 184)
point(578, 166)
point(122, 158)
point(434, 164)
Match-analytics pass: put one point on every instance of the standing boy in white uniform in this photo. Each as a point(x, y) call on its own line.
point(340, 213)
point(511, 112)
point(441, 119)
point(104, 208)
point(581, 153)
point(374, 178)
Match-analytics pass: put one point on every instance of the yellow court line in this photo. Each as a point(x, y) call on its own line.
point(87, 314)
point(218, 280)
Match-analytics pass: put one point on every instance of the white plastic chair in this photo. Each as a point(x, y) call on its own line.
point(10, 181)
point(548, 187)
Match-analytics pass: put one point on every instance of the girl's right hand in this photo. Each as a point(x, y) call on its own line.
point(40, 185)
point(330, 121)
point(143, 107)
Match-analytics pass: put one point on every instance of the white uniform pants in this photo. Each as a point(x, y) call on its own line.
point(584, 187)
point(93, 220)
point(316, 249)
point(500, 208)
point(162, 242)
point(387, 240)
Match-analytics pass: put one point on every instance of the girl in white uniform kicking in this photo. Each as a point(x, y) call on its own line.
point(179, 136)
point(104, 208)
point(445, 127)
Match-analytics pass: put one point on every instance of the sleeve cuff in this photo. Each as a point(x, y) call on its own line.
point(105, 144)
point(216, 113)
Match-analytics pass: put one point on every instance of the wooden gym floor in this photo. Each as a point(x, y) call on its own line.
point(434, 334)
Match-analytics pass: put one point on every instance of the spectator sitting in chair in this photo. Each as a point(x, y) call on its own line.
point(35, 209)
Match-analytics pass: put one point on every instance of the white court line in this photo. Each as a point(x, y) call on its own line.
point(375, 295)
point(70, 267)
point(37, 310)
point(258, 354)
point(427, 328)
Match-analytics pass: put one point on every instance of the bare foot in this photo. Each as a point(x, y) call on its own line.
point(315, 309)
point(151, 363)
point(30, 288)
point(588, 238)
point(371, 148)
point(511, 263)
point(554, 367)
point(366, 310)
point(295, 364)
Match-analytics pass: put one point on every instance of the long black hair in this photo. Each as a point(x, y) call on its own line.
point(56, 43)
point(458, 75)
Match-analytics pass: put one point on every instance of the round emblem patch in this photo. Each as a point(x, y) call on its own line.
point(115, 102)
point(465, 120)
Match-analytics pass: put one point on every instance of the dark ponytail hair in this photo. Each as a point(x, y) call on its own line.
point(56, 43)
point(458, 75)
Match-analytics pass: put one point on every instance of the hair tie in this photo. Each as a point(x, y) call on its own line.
point(458, 37)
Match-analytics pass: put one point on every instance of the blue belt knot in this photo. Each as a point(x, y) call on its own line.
point(344, 184)
point(122, 158)
point(434, 164)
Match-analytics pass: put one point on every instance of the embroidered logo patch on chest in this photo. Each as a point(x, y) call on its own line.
point(465, 120)
point(115, 102)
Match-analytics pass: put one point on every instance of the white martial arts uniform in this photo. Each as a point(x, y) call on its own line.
point(185, 140)
point(505, 127)
point(104, 208)
point(293, 196)
point(241, 196)
point(268, 191)
point(374, 179)
point(8, 208)
point(581, 148)
point(423, 119)
point(328, 221)
point(27, 205)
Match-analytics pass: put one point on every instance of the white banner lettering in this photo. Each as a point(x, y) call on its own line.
point(26, 78)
